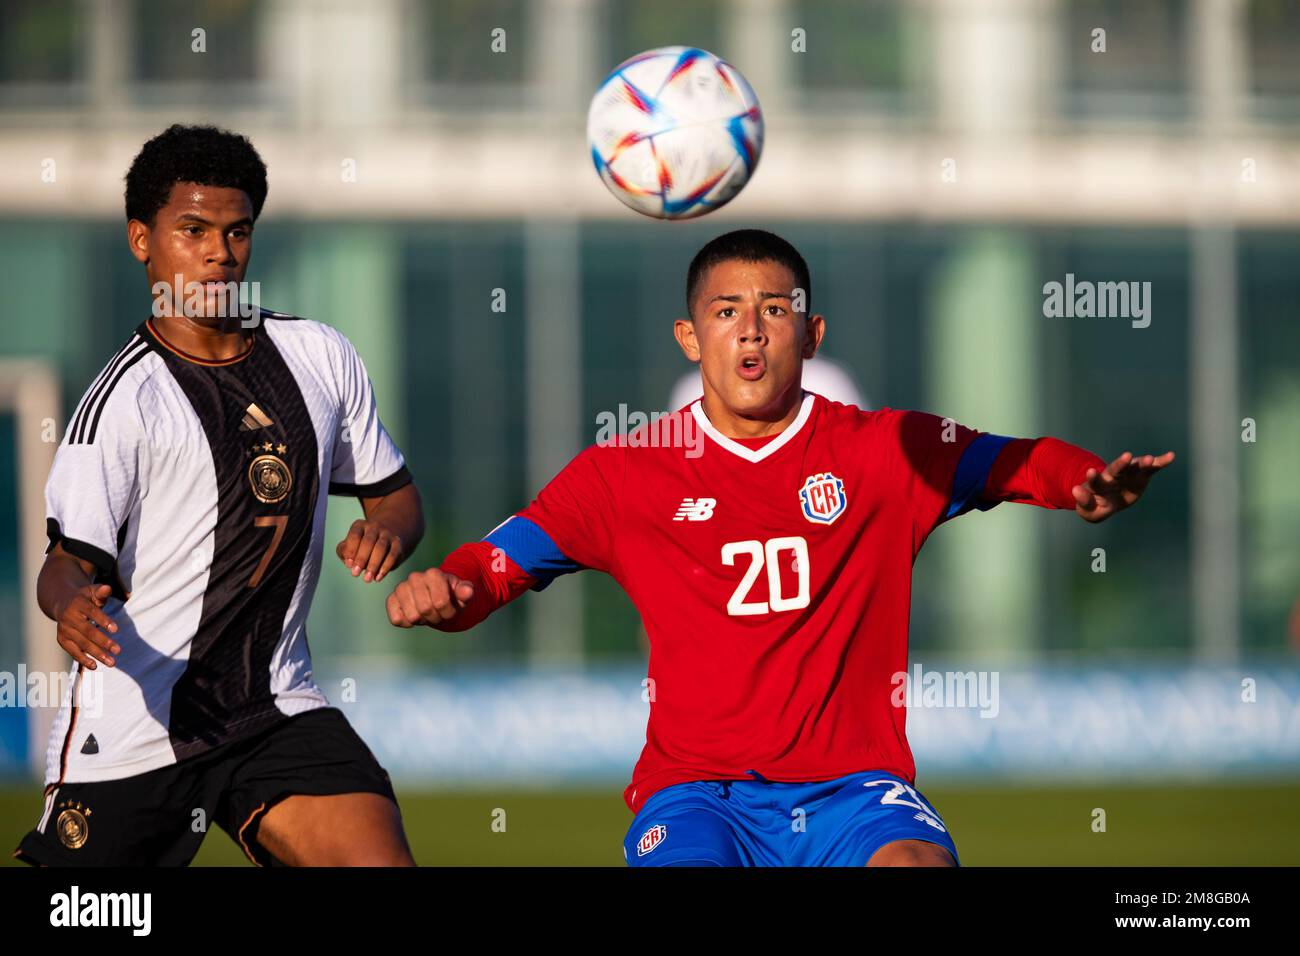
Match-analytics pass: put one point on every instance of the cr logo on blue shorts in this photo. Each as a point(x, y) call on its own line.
point(839, 822)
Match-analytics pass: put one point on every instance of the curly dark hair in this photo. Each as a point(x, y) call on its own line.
point(748, 245)
point(192, 154)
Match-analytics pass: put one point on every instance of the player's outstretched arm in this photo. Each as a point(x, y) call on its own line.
point(1119, 485)
point(471, 583)
point(66, 591)
point(567, 528)
point(386, 536)
point(1052, 473)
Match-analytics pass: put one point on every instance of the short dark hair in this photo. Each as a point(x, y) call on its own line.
point(748, 245)
point(192, 154)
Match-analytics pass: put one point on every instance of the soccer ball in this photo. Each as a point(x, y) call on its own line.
point(675, 132)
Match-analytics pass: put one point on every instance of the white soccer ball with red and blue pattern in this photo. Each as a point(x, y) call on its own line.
point(675, 132)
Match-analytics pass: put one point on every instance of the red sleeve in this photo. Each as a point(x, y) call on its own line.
point(1039, 471)
point(496, 578)
point(927, 449)
point(578, 509)
point(568, 526)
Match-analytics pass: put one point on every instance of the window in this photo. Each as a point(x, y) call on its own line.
point(457, 58)
point(164, 37)
point(634, 26)
point(1143, 72)
point(40, 52)
point(1272, 29)
point(856, 52)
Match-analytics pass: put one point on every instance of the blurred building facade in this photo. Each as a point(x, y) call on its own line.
point(937, 162)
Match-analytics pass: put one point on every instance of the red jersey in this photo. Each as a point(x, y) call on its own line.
point(774, 582)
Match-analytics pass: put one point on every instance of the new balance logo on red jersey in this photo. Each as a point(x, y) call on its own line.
point(696, 509)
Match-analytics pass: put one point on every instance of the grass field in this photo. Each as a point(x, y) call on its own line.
point(1245, 824)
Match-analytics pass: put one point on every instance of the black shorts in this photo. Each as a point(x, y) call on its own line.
point(159, 818)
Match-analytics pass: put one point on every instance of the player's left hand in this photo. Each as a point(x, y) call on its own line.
point(370, 550)
point(1121, 484)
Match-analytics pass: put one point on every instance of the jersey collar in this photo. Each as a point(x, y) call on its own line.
point(150, 332)
point(755, 454)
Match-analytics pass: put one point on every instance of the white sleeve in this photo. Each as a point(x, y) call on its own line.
point(95, 480)
point(366, 462)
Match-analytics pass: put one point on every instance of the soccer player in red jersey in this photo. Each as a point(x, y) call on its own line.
point(772, 569)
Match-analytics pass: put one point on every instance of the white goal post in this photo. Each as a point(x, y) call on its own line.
point(29, 390)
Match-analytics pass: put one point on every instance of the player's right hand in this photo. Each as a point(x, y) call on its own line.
point(84, 628)
point(431, 598)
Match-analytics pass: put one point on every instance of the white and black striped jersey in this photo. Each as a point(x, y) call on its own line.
point(198, 490)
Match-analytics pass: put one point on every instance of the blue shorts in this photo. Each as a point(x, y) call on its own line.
point(757, 822)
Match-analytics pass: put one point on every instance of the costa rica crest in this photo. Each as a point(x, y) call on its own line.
point(823, 498)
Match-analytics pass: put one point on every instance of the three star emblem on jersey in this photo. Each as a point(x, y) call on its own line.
point(73, 824)
point(651, 839)
point(268, 474)
point(823, 498)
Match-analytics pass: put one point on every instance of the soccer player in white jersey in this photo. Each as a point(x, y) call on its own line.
point(186, 516)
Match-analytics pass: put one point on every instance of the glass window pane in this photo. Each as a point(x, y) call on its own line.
point(1085, 359)
point(633, 26)
point(459, 41)
point(39, 41)
point(1270, 394)
point(1272, 30)
point(165, 41)
point(852, 45)
point(1144, 68)
point(457, 62)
